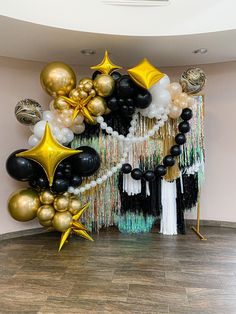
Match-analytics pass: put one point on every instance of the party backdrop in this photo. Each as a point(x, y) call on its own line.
point(114, 149)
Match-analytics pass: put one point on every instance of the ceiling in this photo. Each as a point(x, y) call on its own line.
point(59, 30)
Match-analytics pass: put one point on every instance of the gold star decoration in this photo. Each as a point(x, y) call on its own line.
point(80, 107)
point(76, 227)
point(145, 74)
point(48, 153)
point(106, 66)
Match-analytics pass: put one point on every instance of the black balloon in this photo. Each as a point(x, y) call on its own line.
point(168, 161)
point(184, 127)
point(180, 138)
point(126, 168)
point(160, 170)
point(76, 181)
point(186, 114)
point(42, 182)
point(85, 163)
point(125, 87)
point(115, 75)
point(129, 102)
point(149, 175)
point(143, 99)
point(67, 173)
point(95, 74)
point(175, 150)
point(136, 174)
point(59, 175)
point(60, 185)
point(112, 103)
point(127, 111)
point(20, 168)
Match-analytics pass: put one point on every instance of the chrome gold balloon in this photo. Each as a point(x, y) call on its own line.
point(23, 204)
point(74, 205)
point(61, 203)
point(62, 221)
point(45, 212)
point(46, 223)
point(58, 79)
point(104, 85)
point(46, 197)
point(97, 106)
point(74, 94)
point(60, 104)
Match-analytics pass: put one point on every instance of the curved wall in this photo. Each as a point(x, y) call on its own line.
point(20, 79)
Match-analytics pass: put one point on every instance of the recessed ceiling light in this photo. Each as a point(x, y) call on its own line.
point(200, 51)
point(88, 52)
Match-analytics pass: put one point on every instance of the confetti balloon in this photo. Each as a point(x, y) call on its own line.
point(28, 112)
point(193, 80)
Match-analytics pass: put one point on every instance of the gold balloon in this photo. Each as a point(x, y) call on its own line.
point(48, 153)
point(60, 104)
point(23, 204)
point(104, 85)
point(106, 66)
point(97, 106)
point(58, 79)
point(145, 74)
point(61, 203)
point(74, 94)
point(46, 223)
point(74, 205)
point(45, 212)
point(85, 80)
point(107, 111)
point(62, 221)
point(46, 197)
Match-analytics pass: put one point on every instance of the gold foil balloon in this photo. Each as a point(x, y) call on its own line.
point(58, 79)
point(61, 203)
point(106, 66)
point(97, 106)
point(28, 112)
point(45, 212)
point(74, 205)
point(46, 197)
point(193, 80)
point(104, 85)
point(48, 153)
point(23, 204)
point(145, 74)
point(62, 221)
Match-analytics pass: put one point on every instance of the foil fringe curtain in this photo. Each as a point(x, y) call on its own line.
point(134, 206)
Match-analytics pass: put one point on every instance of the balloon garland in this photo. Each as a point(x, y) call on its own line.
point(109, 102)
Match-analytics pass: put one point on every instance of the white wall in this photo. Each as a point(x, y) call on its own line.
point(20, 79)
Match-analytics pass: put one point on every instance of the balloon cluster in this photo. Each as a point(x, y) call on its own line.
point(68, 173)
point(127, 96)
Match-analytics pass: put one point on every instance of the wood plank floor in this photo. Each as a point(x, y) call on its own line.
point(146, 273)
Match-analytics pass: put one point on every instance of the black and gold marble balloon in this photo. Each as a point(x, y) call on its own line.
point(28, 112)
point(193, 80)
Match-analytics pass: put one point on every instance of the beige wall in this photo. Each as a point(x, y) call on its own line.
point(20, 79)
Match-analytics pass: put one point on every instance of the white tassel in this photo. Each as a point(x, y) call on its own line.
point(169, 215)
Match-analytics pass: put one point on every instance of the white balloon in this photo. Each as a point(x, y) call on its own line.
point(78, 129)
point(64, 131)
point(164, 82)
point(69, 136)
point(79, 119)
point(59, 137)
point(33, 140)
point(48, 116)
point(55, 130)
point(39, 128)
point(160, 97)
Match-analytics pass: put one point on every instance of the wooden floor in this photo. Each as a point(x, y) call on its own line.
point(146, 273)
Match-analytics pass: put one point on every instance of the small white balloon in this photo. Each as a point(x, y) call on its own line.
point(164, 82)
point(59, 137)
point(78, 129)
point(48, 116)
point(39, 128)
point(161, 98)
point(69, 136)
point(79, 119)
point(33, 140)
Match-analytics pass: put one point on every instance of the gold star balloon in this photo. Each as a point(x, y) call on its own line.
point(145, 74)
point(106, 66)
point(76, 227)
point(48, 153)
